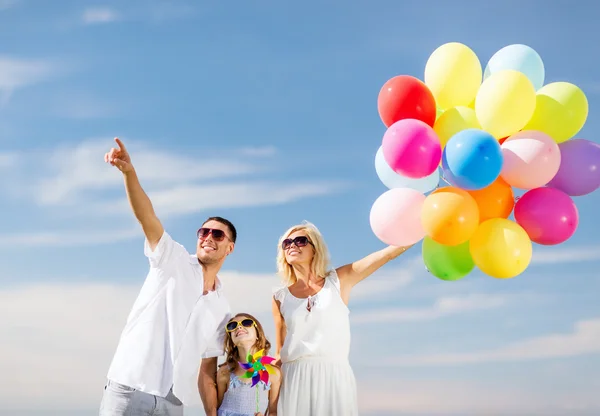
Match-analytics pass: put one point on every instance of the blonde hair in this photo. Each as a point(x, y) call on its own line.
point(320, 263)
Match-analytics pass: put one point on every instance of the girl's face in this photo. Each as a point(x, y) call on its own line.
point(242, 330)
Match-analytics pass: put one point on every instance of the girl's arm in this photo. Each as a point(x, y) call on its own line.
point(222, 384)
point(351, 274)
point(280, 329)
point(274, 392)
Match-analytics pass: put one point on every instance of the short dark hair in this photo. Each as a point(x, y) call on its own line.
point(226, 223)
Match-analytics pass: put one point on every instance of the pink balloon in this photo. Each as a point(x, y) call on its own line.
point(549, 216)
point(396, 217)
point(412, 148)
point(531, 159)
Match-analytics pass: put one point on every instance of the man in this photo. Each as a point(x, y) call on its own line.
point(168, 350)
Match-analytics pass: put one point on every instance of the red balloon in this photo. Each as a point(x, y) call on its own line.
point(404, 97)
point(502, 140)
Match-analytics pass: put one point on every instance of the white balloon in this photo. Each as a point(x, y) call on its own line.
point(393, 180)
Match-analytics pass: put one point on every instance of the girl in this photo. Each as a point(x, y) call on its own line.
point(235, 396)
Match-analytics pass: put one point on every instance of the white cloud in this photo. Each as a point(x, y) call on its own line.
point(75, 177)
point(583, 340)
point(398, 395)
point(566, 255)
point(443, 306)
point(7, 4)
point(79, 237)
point(16, 73)
point(8, 160)
point(98, 15)
point(258, 151)
point(71, 173)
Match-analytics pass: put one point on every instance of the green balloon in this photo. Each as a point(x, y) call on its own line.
point(447, 262)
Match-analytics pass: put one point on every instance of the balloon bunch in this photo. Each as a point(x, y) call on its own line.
point(486, 133)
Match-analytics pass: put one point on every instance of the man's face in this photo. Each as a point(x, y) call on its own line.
point(214, 242)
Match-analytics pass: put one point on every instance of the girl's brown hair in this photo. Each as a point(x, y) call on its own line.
point(231, 351)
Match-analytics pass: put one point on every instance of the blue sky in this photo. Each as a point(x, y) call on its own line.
point(266, 113)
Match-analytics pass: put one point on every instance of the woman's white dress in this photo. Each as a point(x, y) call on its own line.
point(317, 377)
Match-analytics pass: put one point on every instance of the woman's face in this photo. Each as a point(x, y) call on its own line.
point(298, 248)
point(245, 330)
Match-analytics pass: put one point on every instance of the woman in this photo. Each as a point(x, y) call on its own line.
point(312, 325)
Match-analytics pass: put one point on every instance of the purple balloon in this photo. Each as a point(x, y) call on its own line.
point(579, 171)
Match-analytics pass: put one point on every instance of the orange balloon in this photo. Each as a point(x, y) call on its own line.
point(450, 216)
point(494, 201)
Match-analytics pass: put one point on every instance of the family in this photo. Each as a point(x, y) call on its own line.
point(181, 323)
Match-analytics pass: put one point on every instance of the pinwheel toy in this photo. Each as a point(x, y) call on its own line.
point(258, 367)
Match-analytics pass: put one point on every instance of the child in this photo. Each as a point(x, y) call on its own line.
point(235, 395)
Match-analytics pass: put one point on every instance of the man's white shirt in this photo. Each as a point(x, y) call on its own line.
point(171, 326)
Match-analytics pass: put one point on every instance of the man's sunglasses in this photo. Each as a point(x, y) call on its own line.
point(217, 235)
point(233, 325)
point(300, 241)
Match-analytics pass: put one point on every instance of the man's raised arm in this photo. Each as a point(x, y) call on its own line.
point(138, 200)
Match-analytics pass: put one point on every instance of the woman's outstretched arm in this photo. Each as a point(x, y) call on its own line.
point(352, 273)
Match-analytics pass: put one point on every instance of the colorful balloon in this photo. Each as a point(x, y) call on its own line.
point(501, 248)
point(472, 159)
point(439, 111)
point(505, 103)
point(531, 159)
point(549, 216)
point(494, 201)
point(405, 97)
point(561, 110)
point(454, 120)
point(447, 262)
point(453, 74)
point(411, 148)
point(395, 217)
point(392, 179)
point(521, 58)
point(579, 171)
point(449, 216)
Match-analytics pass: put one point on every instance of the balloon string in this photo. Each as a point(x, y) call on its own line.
point(445, 180)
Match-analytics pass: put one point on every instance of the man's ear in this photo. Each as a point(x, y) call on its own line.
point(231, 247)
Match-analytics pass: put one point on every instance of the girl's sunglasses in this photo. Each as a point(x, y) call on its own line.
point(300, 241)
point(217, 235)
point(232, 326)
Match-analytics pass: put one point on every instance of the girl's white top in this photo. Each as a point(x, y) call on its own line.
point(317, 326)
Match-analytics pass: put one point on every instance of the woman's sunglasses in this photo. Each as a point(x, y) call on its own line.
point(217, 235)
point(233, 325)
point(300, 241)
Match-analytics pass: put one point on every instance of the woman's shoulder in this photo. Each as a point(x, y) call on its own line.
point(279, 293)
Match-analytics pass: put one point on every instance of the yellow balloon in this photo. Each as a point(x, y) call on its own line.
point(501, 248)
point(453, 74)
point(561, 111)
point(454, 120)
point(505, 103)
point(438, 112)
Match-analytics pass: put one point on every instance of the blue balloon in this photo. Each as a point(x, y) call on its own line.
point(519, 58)
point(392, 179)
point(472, 159)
